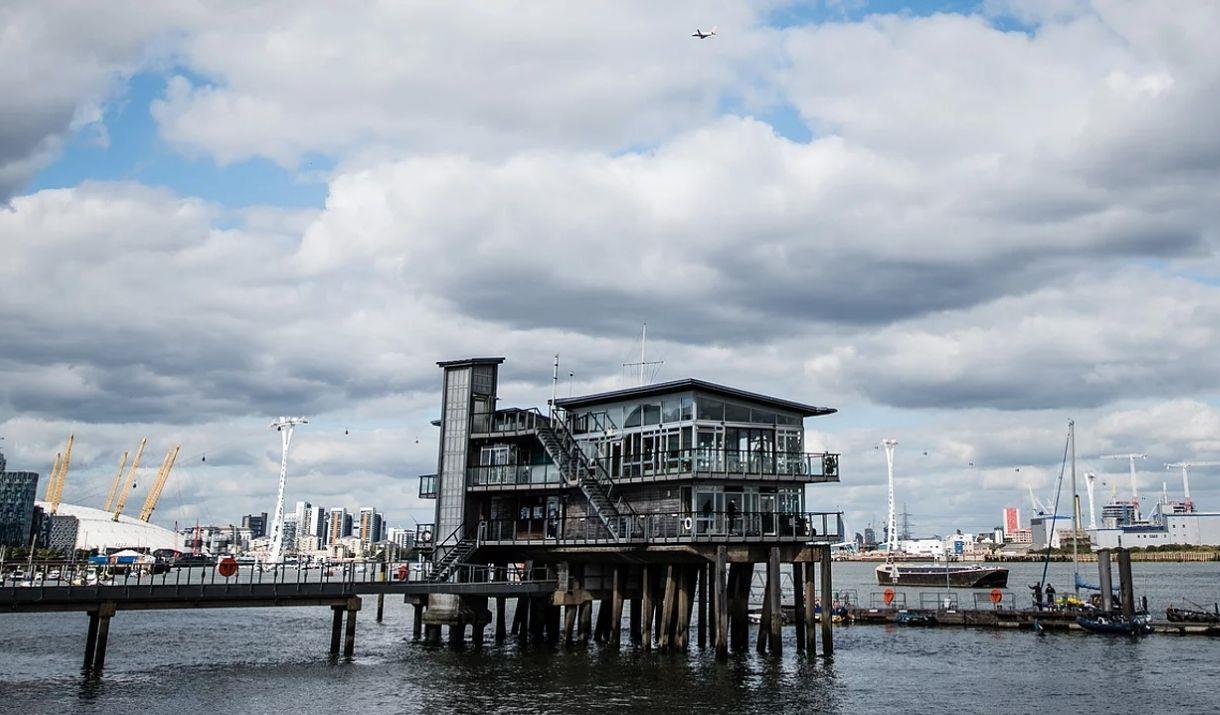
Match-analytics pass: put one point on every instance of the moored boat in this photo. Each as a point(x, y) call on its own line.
point(1106, 625)
point(972, 576)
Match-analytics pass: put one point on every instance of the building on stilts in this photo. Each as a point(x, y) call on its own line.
point(660, 500)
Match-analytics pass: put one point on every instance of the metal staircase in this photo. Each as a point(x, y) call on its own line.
point(457, 549)
point(590, 475)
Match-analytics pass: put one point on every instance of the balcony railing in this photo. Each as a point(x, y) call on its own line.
point(715, 527)
point(514, 475)
point(796, 466)
point(506, 421)
point(427, 486)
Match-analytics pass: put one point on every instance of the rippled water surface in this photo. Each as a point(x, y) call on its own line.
point(265, 660)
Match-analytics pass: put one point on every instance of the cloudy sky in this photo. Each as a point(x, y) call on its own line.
point(961, 223)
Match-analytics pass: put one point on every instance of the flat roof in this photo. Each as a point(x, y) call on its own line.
point(471, 361)
point(690, 383)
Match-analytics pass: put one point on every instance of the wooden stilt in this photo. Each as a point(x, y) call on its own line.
point(828, 647)
point(798, 604)
point(616, 611)
point(500, 630)
point(777, 616)
point(432, 634)
point(740, 637)
point(721, 603)
point(685, 603)
point(585, 625)
point(520, 614)
point(91, 639)
point(537, 620)
point(103, 635)
point(417, 622)
point(764, 623)
point(667, 608)
point(702, 586)
point(646, 604)
point(349, 639)
point(336, 629)
point(633, 620)
point(811, 628)
point(569, 622)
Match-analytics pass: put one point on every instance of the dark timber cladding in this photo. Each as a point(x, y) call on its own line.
point(659, 500)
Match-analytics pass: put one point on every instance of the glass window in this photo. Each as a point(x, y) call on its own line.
point(710, 409)
point(782, 419)
point(634, 415)
point(736, 413)
point(652, 414)
point(687, 408)
point(614, 417)
point(671, 411)
point(762, 417)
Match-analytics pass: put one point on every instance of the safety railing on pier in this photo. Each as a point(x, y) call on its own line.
point(730, 526)
point(80, 579)
point(942, 600)
point(512, 420)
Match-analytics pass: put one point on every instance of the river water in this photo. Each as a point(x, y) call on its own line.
point(270, 660)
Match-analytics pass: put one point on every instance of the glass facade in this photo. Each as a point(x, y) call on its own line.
point(455, 433)
point(17, 492)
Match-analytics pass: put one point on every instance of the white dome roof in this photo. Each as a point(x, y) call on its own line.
point(99, 530)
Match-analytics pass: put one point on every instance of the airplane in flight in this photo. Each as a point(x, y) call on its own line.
point(704, 35)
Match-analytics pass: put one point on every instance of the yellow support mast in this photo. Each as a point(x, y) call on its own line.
point(58, 493)
point(154, 492)
point(46, 495)
point(131, 479)
point(114, 487)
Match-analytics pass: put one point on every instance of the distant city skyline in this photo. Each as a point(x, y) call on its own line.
point(959, 223)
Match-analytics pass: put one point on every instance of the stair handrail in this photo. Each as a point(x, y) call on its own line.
point(597, 472)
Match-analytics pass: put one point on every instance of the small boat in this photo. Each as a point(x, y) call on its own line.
point(1105, 625)
point(972, 576)
point(1192, 615)
point(907, 618)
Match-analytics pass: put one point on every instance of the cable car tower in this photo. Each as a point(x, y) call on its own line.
point(285, 426)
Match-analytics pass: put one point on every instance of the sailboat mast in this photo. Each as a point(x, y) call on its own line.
point(1075, 512)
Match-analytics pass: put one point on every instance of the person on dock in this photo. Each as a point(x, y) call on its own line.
point(1037, 589)
point(1050, 596)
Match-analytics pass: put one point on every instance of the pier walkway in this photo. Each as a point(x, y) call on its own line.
point(58, 588)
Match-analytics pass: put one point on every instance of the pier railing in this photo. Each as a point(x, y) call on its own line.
point(81, 581)
point(715, 527)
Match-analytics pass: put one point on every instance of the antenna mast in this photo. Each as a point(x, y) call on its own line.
point(285, 426)
point(643, 363)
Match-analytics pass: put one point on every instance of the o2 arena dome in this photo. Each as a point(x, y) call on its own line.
point(97, 529)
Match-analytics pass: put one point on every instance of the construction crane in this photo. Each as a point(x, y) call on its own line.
point(1185, 467)
point(131, 480)
point(1135, 494)
point(1040, 507)
point(154, 492)
point(114, 486)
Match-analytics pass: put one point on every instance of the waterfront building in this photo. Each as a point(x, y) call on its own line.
point(290, 531)
point(301, 514)
point(338, 525)
point(1175, 523)
point(1012, 519)
point(1046, 526)
point(256, 523)
point(651, 476)
point(59, 532)
point(372, 527)
point(17, 493)
point(316, 521)
point(402, 538)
